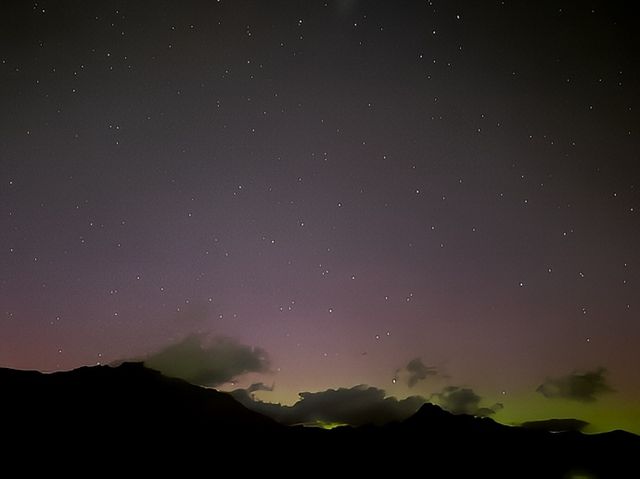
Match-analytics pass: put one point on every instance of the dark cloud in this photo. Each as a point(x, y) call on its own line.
point(459, 400)
point(556, 425)
point(584, 387)
point(416, 370)
point(488, 411)
point(259, 387)
point(355, 406)
point(208, 361)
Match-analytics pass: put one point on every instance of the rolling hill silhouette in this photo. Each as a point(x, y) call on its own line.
point(129, 396)
point(137, 408)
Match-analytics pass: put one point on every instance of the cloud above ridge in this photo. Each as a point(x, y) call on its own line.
point(208, 361)
point(582, 387)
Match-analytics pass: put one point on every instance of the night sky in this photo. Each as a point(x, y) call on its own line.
point(351, 186)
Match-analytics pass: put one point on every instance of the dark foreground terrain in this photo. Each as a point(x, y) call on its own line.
point(129, 414)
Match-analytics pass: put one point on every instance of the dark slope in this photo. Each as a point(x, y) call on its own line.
point(535, 453)
point(136, 413)
point(129, 399)
point(444, 445)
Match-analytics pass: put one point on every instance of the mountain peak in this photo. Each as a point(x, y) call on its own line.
point(139, 407)
point(128, 396)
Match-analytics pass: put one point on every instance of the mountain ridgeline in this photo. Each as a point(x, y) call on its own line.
point(131, 407)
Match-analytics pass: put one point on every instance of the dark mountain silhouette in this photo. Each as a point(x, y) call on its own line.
point(109, 413)
point(129, 398)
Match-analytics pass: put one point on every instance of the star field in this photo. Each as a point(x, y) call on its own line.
point(348, 185)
